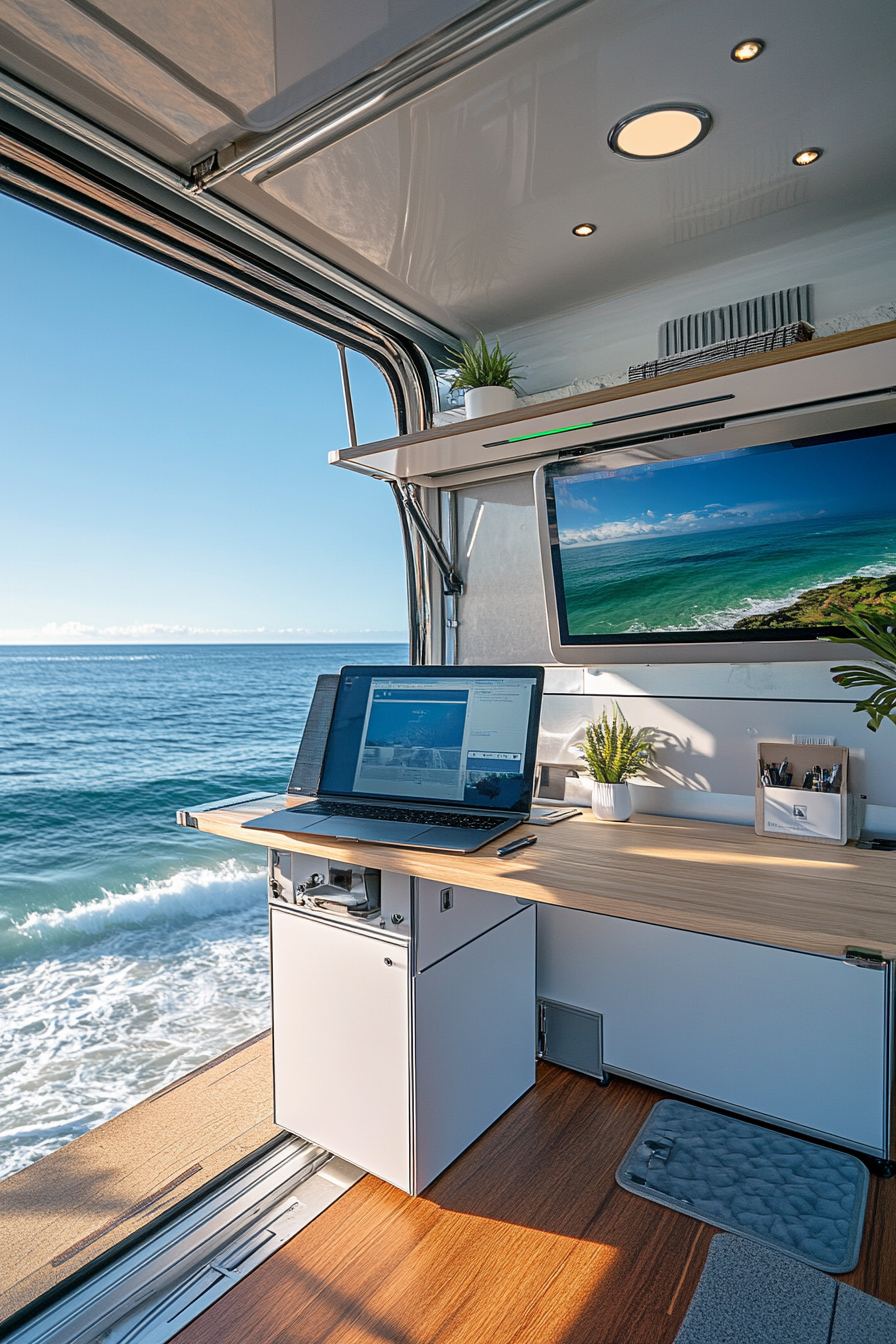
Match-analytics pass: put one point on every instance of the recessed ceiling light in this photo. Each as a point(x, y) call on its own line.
point(658, 131)
point(584, 230)
point(748, 51)
point(806, 156)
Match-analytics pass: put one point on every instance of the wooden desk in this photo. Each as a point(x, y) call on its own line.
point(696, 875)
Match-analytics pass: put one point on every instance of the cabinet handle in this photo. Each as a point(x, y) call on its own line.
point(387, 961)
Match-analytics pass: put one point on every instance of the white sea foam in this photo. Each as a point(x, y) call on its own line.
point(194, 893)
point(726, 617)
point(85, 1033)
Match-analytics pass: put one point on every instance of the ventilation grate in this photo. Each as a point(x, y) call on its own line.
point(736, 320)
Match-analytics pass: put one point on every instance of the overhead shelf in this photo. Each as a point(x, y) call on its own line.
point(848, 366)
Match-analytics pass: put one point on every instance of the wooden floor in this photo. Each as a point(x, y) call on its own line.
point(526, 1239)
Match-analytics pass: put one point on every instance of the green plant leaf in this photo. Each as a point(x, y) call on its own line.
point(477, 366)
point(872, 628)
point(613, 751)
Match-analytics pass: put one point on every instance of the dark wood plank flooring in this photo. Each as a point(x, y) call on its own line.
point(526, 1239)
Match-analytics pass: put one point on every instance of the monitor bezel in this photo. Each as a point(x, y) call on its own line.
point(748, 646)
point(522, 672)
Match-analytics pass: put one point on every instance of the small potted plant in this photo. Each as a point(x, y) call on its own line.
point(614, 753)
point(485, 376)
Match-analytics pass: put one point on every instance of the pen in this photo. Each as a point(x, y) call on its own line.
point(516, 844)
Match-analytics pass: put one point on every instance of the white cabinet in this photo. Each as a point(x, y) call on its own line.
point(799, 1039)
point(342, 1038)
point(395, 1068)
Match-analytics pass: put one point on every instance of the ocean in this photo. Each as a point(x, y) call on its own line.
point(132, 950)
point(709, 580)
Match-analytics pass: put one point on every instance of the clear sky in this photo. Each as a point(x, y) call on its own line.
point(163, 457)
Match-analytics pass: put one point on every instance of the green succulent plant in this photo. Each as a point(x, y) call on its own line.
point(874, 629)
point(614, 751)
point(477, 366)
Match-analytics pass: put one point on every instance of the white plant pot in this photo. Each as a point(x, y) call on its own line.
point(488, 401)
point(611, 802)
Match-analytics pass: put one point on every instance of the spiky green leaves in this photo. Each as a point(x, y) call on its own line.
point(614, 751)
point(477, 366)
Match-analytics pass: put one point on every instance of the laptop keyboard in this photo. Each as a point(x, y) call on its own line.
point(375, 812)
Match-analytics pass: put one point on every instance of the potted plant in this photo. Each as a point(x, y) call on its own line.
point(874, 629)
point(485, 376)
point(614, 753)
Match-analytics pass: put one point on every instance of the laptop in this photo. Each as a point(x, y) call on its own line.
point(424, 757)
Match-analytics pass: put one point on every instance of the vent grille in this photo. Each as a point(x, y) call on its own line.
point(736, 320)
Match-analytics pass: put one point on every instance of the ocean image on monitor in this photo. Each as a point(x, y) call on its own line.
point(754, 540)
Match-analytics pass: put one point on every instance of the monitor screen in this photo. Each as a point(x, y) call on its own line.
point(753, 543)
point(435, 734)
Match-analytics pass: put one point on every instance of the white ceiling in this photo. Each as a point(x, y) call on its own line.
point(461, 205)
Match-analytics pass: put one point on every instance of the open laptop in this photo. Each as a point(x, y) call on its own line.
point(426, 757)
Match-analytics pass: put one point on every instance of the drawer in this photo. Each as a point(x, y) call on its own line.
point(446, 922)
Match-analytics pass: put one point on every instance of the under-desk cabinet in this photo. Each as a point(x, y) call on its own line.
point(397, 1050)
point(801, 1040)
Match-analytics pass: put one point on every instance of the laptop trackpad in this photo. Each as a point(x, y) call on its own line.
point(364, 828)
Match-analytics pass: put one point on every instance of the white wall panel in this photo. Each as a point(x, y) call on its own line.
point(785, 1034)
point(502, 611)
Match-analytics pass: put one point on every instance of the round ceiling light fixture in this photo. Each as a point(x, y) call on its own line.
point(659, 131)
point(806, 156)
point(748, 50)
point(584, 230)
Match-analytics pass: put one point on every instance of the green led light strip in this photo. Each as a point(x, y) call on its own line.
point(613, 420)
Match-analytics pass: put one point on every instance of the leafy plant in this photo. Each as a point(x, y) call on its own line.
point(477, 366)
point(613, 751)
point(873, 629)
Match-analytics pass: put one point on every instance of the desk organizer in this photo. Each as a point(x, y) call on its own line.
point(820, 814)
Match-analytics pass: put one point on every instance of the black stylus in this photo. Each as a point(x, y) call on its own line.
point(516, 844)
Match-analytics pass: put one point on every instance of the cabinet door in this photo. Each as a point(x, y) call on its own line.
point(449, 916)
point(800, 1039)
point(341, 1008)
point(475, 1040)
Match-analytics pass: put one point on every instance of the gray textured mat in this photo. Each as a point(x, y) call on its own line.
point(791, 1194)
point(750, 1294)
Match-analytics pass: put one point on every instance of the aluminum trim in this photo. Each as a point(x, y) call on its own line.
point(423, 67)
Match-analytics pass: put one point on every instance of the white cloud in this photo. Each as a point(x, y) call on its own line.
point(625, 529)
point(76, 632)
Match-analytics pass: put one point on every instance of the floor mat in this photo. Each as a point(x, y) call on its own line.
point(791, 1194)
point(750, 1294)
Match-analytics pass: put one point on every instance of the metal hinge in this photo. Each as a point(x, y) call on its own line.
point(542, 1032)
point(865, 956)
point(187, 819)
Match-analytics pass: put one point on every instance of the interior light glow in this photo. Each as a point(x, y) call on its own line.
point(659, 131)
point(748, 51)
point(806, 156)
point(584, 230)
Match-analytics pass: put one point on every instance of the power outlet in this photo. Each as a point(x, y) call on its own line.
point(446, 898)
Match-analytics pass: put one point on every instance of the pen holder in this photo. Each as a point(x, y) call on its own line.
point(820, 813)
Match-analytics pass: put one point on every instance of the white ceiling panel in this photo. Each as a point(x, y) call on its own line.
point(461, 202)
point(468, 196)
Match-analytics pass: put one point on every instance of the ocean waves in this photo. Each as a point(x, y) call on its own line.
point(131, 992)
point(189, 895)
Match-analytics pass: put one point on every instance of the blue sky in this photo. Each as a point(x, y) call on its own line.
point(164, 459)
point(737, 490)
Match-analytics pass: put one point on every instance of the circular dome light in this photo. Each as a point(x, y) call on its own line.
point(656, 132)
point(584, 230)
point(748, 51)
point(806, 156)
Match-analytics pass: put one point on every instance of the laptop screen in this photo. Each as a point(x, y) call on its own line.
point(435, 735)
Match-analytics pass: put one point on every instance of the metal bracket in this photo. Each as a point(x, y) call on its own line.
point(869, 957)
point(406, 495)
